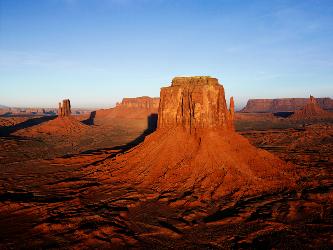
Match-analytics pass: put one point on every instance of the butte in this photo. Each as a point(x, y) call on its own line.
point(63, 126)
point(196, 150)
point(311, 110)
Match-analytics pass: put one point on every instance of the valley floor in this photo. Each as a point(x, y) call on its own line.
point(49, 199)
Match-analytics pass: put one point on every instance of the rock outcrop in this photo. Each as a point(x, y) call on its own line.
point(283, 105)
point(311, 111)
point(193, 103)
point(196, 150)
point(64, 109)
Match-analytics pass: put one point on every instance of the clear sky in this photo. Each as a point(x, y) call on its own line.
point(96, 52)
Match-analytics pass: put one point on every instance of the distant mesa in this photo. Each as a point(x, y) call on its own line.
point(283, 105)
point(311, 110)
point(64, 108)
point(195, 148)
point(131, 108)
point(140, 102)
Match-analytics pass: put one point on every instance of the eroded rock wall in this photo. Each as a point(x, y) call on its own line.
point(194, 102)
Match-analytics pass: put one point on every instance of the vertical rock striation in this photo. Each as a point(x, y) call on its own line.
point(194, 103)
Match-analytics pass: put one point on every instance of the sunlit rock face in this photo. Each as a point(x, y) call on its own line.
point(194, 103)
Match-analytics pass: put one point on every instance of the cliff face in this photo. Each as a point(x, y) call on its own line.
point(283, 105)
point(194, 102)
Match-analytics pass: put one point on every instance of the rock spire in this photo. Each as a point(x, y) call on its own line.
point(65, 108)
point(232, 108)
point(311, 110)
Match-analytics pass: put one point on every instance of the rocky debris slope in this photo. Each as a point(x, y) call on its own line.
point(196, 150)
point(283, 105)
point(311, 111)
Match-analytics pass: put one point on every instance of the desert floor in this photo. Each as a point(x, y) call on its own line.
point(54, 195)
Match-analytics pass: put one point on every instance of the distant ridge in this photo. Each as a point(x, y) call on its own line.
point(3, 107)
point(283, 105)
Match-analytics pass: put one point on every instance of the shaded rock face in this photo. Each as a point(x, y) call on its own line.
point(64, 109)
point(193, 103)
point(283, 105)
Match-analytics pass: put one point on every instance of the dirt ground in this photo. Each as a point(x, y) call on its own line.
point(54, 195)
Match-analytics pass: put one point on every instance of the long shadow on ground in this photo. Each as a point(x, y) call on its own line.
point(151, 127)
point(6, 131)
point(90, 120)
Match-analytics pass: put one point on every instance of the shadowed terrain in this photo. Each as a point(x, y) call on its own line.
point(82, 196)
point(60, 203)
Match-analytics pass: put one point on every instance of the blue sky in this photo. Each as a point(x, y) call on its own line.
point(96, 52)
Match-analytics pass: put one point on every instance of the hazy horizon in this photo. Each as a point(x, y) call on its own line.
point(98, 52)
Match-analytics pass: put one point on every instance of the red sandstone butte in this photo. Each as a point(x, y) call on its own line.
point(311, 111)
point(196, 149)
point(65, 108)
point(194, 102)
point(63, 125)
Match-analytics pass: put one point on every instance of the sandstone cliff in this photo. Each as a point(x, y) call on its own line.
point(283, 105)
point(194, 102)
